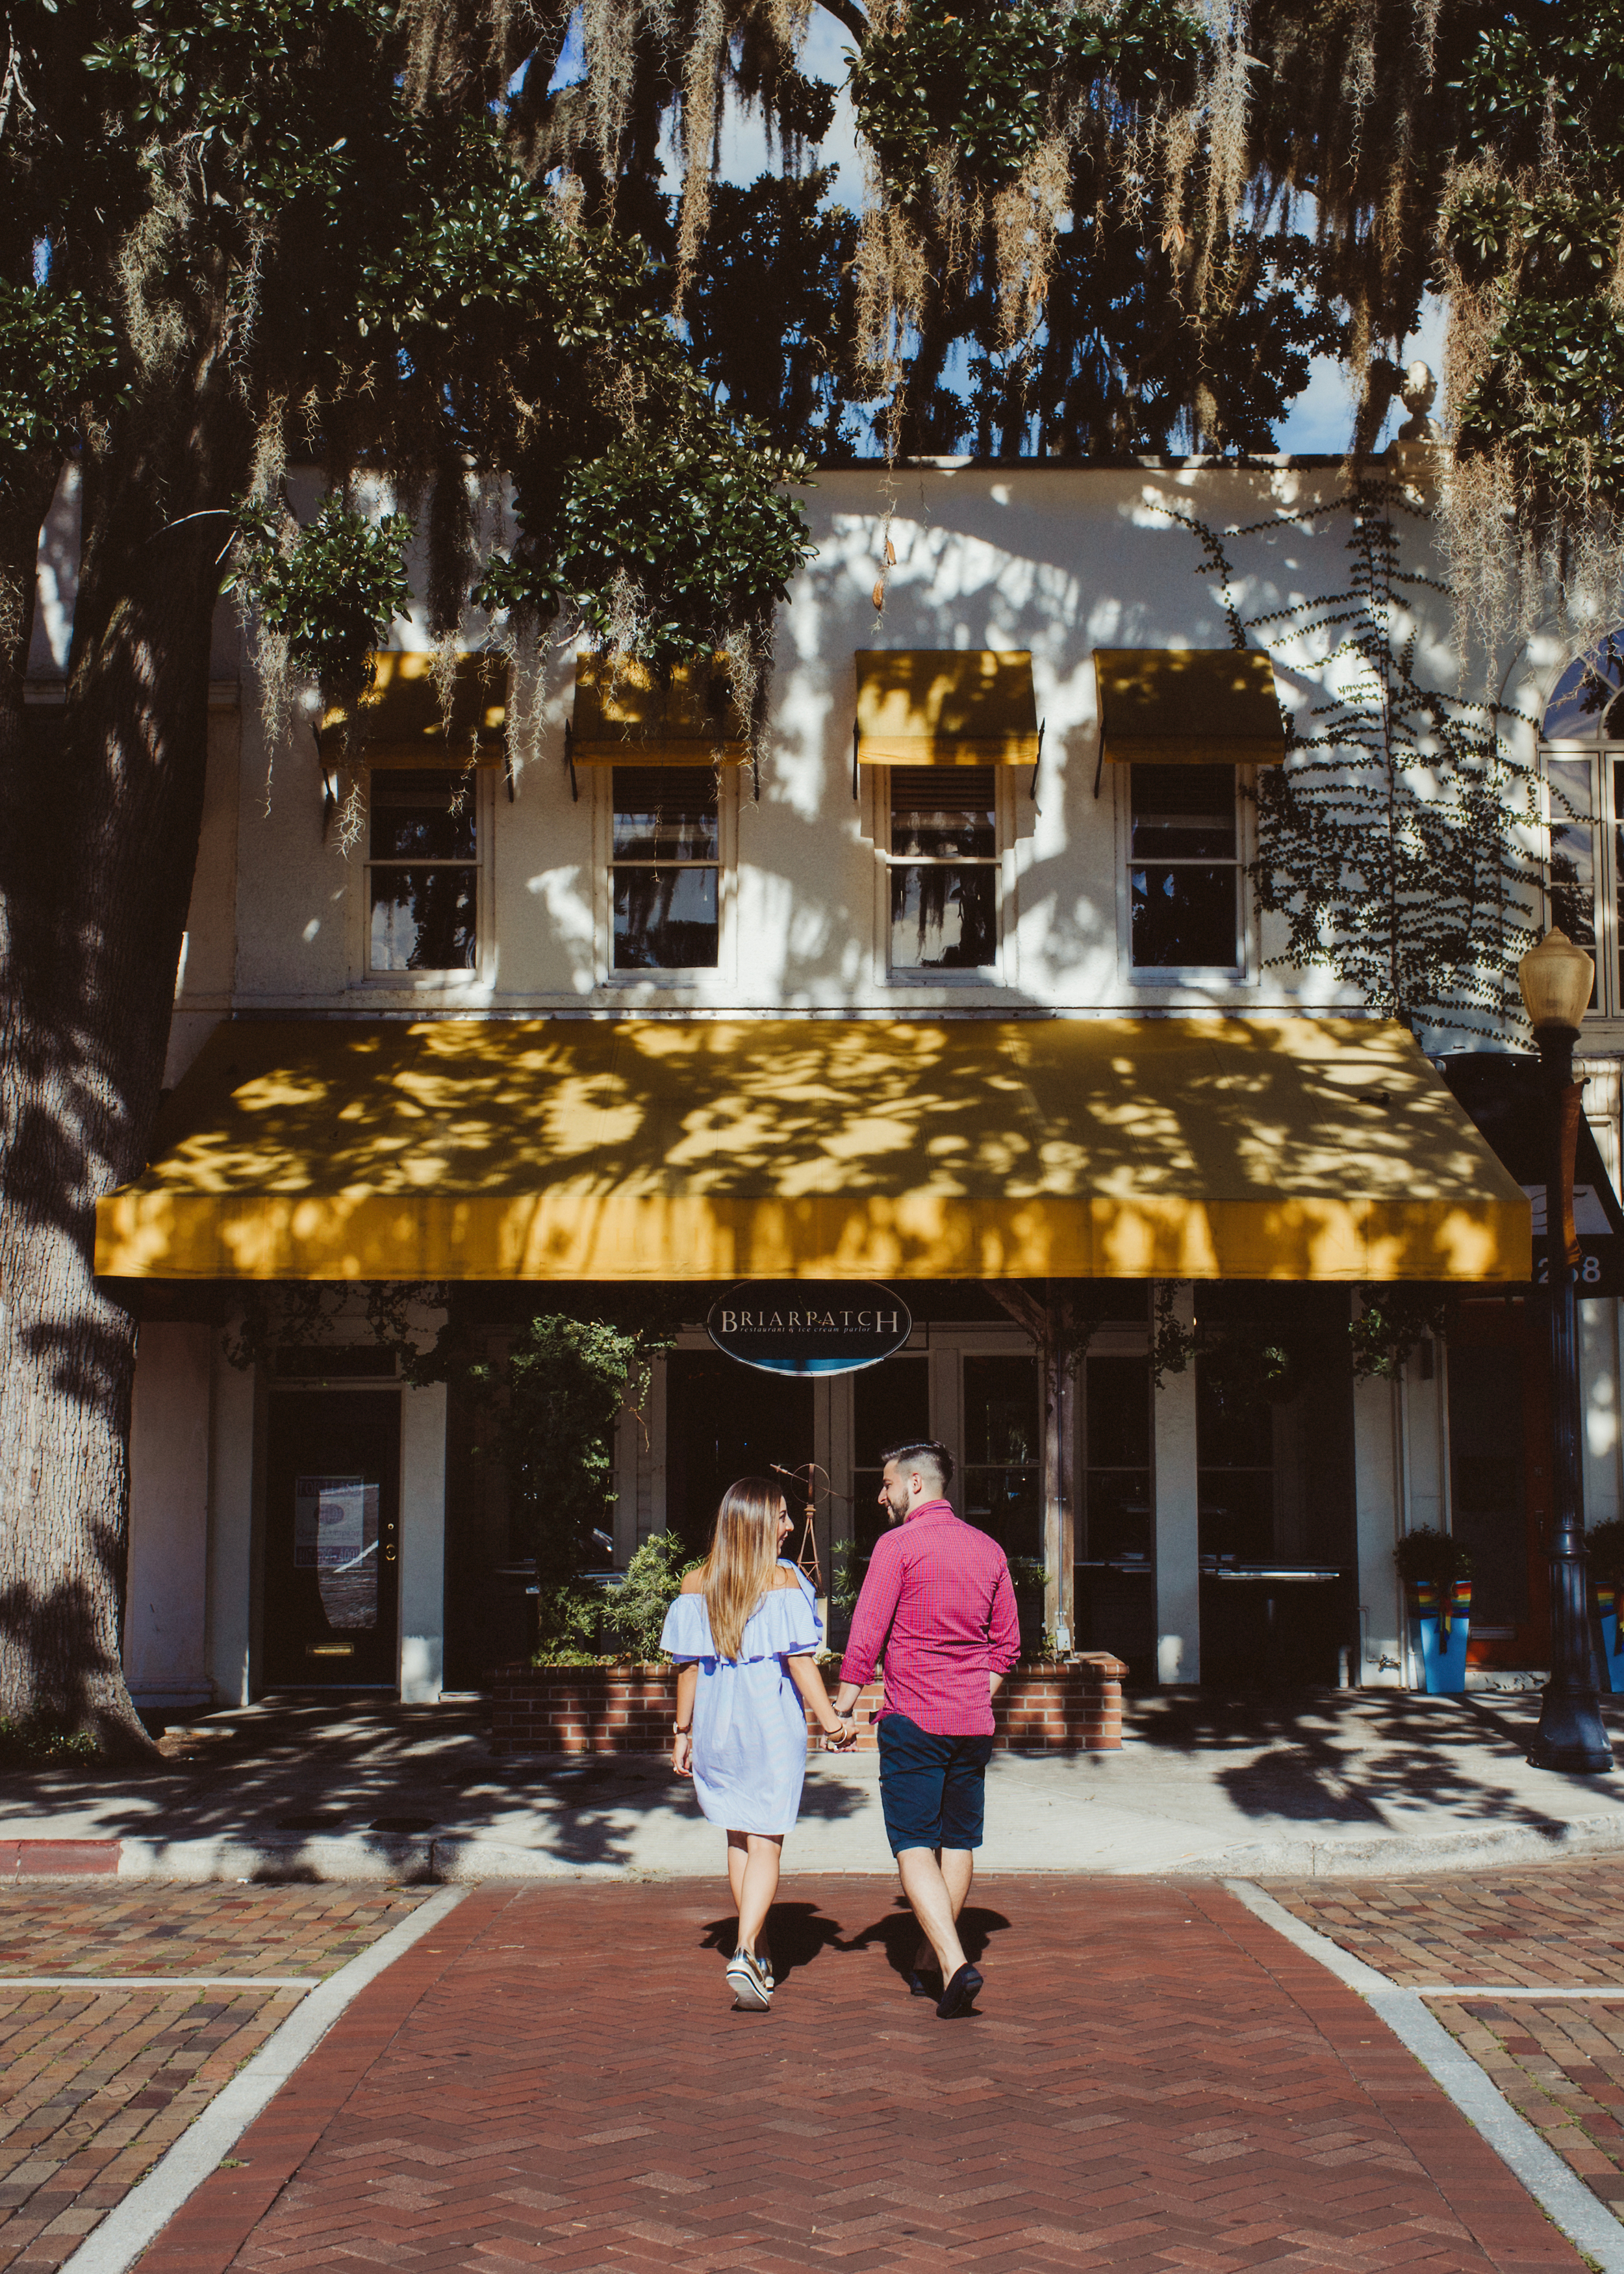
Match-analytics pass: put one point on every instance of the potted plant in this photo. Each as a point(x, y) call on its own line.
point(1436, 1569)
point(1605, 1545)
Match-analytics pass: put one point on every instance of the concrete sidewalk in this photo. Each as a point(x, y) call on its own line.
point(1333, 1783)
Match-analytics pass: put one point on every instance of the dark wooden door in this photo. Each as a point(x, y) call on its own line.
point(332, 1538)
point(1500, 1487)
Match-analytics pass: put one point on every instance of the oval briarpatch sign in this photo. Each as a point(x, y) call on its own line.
point(808, 1325)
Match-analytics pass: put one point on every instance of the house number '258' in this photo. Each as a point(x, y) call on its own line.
point(1586, 1274)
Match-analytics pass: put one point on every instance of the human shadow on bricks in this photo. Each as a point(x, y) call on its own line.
point(797, 1933)
point(899, 1932)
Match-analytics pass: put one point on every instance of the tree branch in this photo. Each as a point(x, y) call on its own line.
point(848, 13)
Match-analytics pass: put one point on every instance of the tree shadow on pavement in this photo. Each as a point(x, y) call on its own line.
point(404, 1784)
point(1360, 1757)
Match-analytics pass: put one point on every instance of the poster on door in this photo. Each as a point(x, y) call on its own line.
point(329, 1521)
point(335, 1536)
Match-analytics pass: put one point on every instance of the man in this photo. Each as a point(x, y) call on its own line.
point(938, 1602)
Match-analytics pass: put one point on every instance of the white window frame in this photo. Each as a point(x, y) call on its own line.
point(1600, 755)
point(1001, 861)
point(1245, 971)
point(482, 788)
point(699, 979)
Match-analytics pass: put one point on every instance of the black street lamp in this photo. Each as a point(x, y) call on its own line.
point(1556, 978)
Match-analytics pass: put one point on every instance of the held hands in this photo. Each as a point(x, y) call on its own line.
point(842, 1739)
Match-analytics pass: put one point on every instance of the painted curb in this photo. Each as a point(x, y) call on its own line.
point(1560, 2193)
point(133, 2223)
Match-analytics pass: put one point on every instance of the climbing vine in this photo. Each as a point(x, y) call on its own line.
point(1390, 842)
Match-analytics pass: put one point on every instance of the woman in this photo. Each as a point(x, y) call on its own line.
point(742, 1632)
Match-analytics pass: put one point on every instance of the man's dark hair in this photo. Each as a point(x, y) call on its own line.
point(922, 1453)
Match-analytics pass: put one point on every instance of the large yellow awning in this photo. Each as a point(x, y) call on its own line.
point(1188, 706)
point(1268, 1148)
point(942, 707)
point(403, 722)
point(626, 715)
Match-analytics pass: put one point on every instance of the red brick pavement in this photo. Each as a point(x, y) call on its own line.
point(1559, 2064)
point(552, 2079)
point(95, 2084)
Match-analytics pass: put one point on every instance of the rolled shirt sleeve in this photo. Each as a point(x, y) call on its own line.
point(1003, 1627)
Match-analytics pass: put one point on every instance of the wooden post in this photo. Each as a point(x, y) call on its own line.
point(1061, 1340)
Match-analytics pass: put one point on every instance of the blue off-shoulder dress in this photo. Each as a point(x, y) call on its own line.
point(750, 1726)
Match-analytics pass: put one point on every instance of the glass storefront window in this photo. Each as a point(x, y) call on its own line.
point(1118, 1514)
point(890, 1406)
point(1002, 1449)
point(1235, 1463)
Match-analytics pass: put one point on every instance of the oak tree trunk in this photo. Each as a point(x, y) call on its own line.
point(99, 822)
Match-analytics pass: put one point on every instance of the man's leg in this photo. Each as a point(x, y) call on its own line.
point(957, 1871)
point(925, 1883)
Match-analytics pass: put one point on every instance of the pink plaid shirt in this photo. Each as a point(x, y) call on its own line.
point(938, 1602)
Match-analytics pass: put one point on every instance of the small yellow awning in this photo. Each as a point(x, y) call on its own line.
point(938, 707)
point(1188, 706)
point(404, 723)
point(625, 716)
point(1211, 1149)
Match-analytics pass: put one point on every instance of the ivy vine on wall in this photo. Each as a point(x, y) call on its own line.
point(1392, 843)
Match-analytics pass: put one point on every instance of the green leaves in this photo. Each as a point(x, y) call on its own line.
point(59, 357)
point(983, 82)
point(331, 594)
point(1537, 231)
point(700, 527)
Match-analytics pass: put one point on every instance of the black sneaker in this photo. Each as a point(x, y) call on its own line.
point(959, 1994)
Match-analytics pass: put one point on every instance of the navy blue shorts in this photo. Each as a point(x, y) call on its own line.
point(932, 1789)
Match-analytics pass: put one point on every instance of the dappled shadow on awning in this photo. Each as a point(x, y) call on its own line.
point(1287, 1147)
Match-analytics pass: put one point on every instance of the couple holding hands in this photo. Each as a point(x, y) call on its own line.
point(937, 1610)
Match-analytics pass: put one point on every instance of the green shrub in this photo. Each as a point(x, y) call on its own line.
point(568, 1618)
point(45, 1745)
point(1428, 1555)
point(635, 1612)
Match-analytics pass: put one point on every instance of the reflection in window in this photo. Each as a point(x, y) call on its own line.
point(890, 1406)
point(1117, 1460)
point(1588, 692)
point(422, 875)
point(944, 871)
point(1572, 852)
point(664, 872)
point(1235, 1468)
point(1183, 868)
point(1003, 1446)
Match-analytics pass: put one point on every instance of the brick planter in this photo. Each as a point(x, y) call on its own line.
point(1073, 1708)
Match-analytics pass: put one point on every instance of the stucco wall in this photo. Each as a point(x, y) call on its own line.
point(1056, 560)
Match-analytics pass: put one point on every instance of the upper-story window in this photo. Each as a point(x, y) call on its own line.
point(422, 870)
point(665, 869)
point(944, 865)
point(1184, 867)
point(1583, 756)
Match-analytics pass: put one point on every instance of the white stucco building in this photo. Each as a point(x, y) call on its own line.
point(935, 1009)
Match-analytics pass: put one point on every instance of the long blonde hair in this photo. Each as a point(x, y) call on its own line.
point(744, 1554)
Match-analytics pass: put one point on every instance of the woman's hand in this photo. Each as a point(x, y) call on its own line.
point(842, 1739)
point(682, 1754)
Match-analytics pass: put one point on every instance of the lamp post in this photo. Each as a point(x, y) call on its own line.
point(1556, 978)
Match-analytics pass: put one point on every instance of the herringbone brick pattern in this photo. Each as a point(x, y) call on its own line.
point(1562, 2064)
point(158, 1927)
point(94, 2084)
point(552, 2079)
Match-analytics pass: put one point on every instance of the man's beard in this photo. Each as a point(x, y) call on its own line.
point(897, 1511)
